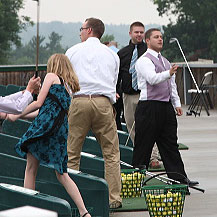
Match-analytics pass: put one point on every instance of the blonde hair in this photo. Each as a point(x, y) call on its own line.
point(60, 65)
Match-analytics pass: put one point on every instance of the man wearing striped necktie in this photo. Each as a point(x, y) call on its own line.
point(127, 80)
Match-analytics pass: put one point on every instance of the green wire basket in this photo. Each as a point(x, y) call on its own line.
point(132, 180)
point(165, 200)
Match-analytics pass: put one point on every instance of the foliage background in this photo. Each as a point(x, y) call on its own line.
point(195, 27)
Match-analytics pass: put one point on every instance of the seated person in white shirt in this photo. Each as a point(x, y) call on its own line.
point(17, 102)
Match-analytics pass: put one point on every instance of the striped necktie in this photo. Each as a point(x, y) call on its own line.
point(132, 69)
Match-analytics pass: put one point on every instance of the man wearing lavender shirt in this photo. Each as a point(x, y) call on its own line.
point(155, 116)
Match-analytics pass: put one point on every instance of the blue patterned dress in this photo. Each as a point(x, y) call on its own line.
point(46, 138)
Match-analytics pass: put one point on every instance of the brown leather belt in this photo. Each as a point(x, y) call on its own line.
point(88, 96)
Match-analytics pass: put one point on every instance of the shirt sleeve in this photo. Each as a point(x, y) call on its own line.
point(174, 95)
point(146, 69)
point(117, 69)
point(15, 103)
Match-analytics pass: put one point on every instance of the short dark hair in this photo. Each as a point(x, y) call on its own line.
point(96, 25)
point(137, 23)
point(149, 32)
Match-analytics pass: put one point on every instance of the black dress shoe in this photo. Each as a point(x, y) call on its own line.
point(189, 182)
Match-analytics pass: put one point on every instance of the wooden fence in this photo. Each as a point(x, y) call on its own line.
point(19, 75)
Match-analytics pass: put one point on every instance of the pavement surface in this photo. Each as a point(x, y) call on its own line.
point(200, 135)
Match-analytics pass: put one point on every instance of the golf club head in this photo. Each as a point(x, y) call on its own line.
point(173, 40)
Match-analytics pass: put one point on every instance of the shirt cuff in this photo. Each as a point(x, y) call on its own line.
point(176, 104)
point(28, 95)
point(167, 73)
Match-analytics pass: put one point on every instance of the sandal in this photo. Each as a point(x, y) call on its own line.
point(86, 213)
point(115, 205)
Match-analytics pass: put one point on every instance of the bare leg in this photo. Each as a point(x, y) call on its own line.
point(31, 171)
point(73, 192)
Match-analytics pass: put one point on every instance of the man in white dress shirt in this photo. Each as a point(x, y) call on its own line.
point(96, 66)
point(155, 117)
point(17, 102)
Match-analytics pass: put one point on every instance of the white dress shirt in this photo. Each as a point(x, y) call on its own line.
point(146, 74)
point(15, 103)
point(96, 66)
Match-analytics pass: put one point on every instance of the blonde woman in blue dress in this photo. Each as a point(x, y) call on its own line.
point(45, 142)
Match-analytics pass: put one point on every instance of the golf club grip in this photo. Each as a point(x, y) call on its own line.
point(35, 96)
point(196, 188)
point(36, 74)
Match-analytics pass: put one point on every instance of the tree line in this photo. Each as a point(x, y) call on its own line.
point(26, 54)
point(195, 27)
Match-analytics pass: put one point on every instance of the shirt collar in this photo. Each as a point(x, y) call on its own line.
point(153, 53)
point(138, 45)
point(93, 39)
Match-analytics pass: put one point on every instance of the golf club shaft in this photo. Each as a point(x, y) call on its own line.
point(148, 173)
point(163, 178)
point(195, 83)
point(130, 134)
point(37, 39)
point(158, 178)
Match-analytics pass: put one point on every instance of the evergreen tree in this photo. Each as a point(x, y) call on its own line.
point(54, 45)
point(107, 38)
point(26, 54)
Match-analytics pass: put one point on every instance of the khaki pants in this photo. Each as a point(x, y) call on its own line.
point(95, 114)
point(130, 103)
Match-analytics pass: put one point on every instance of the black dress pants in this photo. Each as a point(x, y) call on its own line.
point(119, 107)
point(155, 121)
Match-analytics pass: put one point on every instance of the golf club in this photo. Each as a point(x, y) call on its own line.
point(195, 83)
point(163, 178)
point(37, 38)
point(130, 134)
point(175, 39)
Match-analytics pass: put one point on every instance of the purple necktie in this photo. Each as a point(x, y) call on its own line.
point(160, 60)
